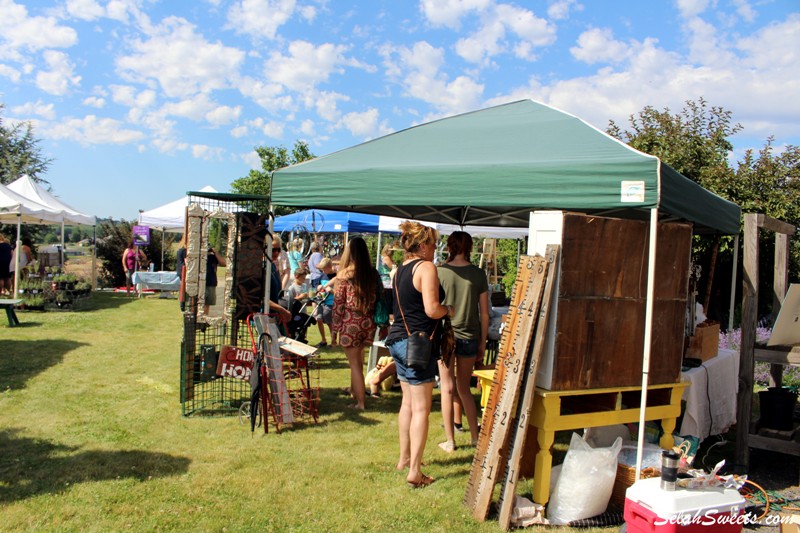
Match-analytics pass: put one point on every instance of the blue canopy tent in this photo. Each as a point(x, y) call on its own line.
point(326, 221)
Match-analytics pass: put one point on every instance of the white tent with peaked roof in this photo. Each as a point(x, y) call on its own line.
point(169, 217)
point(16, 209)
point(28, 188)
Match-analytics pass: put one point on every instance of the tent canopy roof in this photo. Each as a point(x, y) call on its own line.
point(15, 208)
point(169, 217)
point(493, 166)
point(326, 221)
point(25, 186)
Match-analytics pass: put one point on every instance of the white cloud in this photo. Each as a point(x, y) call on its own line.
point(417, 70)
point(307, 128)
point(208, 153)
point(10, 73)
point(223, 114)
point(691, 8)
point(745, 10)
point(449, 12)
point(559, 10)
point(306, 65)
point(180, 60)
point(598, 45)
point(269, 128)
point(19, 31)
point(366, 125)
point(309, 13)
point(85, 9)
point(94, 130)
point(251, 159)
point(259, 18)
point(36, 108)
point(505, 27)
point(169, 145)
point(94, 101)
point(239, 131)
point(60, 77)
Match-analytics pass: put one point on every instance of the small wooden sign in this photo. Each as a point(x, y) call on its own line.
point(235, 362)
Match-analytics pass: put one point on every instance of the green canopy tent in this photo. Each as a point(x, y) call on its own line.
point(494, 166)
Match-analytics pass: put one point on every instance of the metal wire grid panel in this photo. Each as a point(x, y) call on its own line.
point(203, 392)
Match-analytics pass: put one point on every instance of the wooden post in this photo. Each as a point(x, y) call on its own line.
point(746, 355)
point(780, 283)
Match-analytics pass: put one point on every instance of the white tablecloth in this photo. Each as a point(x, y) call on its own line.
point(160, 281)
point(717, 380)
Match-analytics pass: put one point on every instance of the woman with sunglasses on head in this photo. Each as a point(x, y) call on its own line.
point(417, 307)
point(275, 286)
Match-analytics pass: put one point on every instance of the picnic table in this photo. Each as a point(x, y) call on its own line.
point(9, 304)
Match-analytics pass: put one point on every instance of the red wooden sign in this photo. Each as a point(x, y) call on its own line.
point(235, 362)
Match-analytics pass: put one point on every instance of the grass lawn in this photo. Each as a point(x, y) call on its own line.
point(92, 439)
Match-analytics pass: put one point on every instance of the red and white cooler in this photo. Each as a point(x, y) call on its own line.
point(649, 508)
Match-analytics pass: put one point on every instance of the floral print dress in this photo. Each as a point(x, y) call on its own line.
point(355, 329)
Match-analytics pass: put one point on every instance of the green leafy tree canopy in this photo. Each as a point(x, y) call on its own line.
point(20, 152)
point(272, 158)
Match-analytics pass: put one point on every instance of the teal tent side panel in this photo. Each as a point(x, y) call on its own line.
point(682, 196)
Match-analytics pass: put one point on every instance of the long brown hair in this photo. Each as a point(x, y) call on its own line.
point(362, 275)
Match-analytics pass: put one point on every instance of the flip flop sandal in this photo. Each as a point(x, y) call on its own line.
point(422, 483)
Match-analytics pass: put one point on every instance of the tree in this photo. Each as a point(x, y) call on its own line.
point(20, 152)
point(272, 158)
point(695, 142)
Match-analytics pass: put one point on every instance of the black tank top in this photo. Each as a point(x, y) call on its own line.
point(413, 306)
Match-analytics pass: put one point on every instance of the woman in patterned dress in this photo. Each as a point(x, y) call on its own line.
point(353, 309)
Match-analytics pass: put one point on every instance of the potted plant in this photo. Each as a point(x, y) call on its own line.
point(63, 299)
point(34, 303)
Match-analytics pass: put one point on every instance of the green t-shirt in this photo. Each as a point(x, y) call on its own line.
point(463, 286)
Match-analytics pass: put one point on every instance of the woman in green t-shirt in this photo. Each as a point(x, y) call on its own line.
point(467, 289)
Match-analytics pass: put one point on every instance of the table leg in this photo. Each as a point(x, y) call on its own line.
point(668, 425)
point(544, 464)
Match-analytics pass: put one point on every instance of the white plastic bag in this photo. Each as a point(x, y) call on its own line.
point(584, 486)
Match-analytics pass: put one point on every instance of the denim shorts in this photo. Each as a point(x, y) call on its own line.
point(467, 347)
point(411, 376)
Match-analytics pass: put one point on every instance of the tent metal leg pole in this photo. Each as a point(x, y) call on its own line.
point(17, 249)
point(648, 334)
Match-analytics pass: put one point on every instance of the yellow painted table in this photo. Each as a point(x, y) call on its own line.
point(575, 409)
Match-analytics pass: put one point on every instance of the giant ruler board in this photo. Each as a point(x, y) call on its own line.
point(528, 389)
point(509, 370)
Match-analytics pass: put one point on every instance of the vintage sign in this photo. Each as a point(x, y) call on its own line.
point(235, 362)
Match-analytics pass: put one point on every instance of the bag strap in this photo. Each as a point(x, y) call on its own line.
point(397, 293)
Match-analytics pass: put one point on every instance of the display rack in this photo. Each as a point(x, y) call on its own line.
point(237, 224)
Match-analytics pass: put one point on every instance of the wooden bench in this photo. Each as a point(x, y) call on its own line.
point(9, 304)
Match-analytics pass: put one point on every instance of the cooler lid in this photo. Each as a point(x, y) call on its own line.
point(664, 503)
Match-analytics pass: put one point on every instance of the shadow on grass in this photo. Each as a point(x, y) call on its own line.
point(23, 360)
point(30, 467)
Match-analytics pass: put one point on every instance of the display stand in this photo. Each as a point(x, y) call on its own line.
point(777, 356)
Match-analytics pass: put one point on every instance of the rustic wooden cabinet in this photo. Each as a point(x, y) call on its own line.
point(596, 330)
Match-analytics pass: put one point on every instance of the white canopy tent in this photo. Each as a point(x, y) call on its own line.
point(169, 217)
point(25, 186)
point(16, 209)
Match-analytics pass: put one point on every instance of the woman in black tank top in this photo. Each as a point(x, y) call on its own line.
point(416, 307)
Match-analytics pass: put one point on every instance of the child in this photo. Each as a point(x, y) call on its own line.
point(324, 312)
point(297, 291)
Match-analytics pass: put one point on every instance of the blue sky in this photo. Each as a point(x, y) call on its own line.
point(138, 101)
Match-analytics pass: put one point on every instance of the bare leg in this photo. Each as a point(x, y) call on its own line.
point(447, 388)
point(458, 409)
point(355, 358)
point(421, 397)
point(404, 426)
point(333, 336)
point(321, 326)
point(463, 376)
